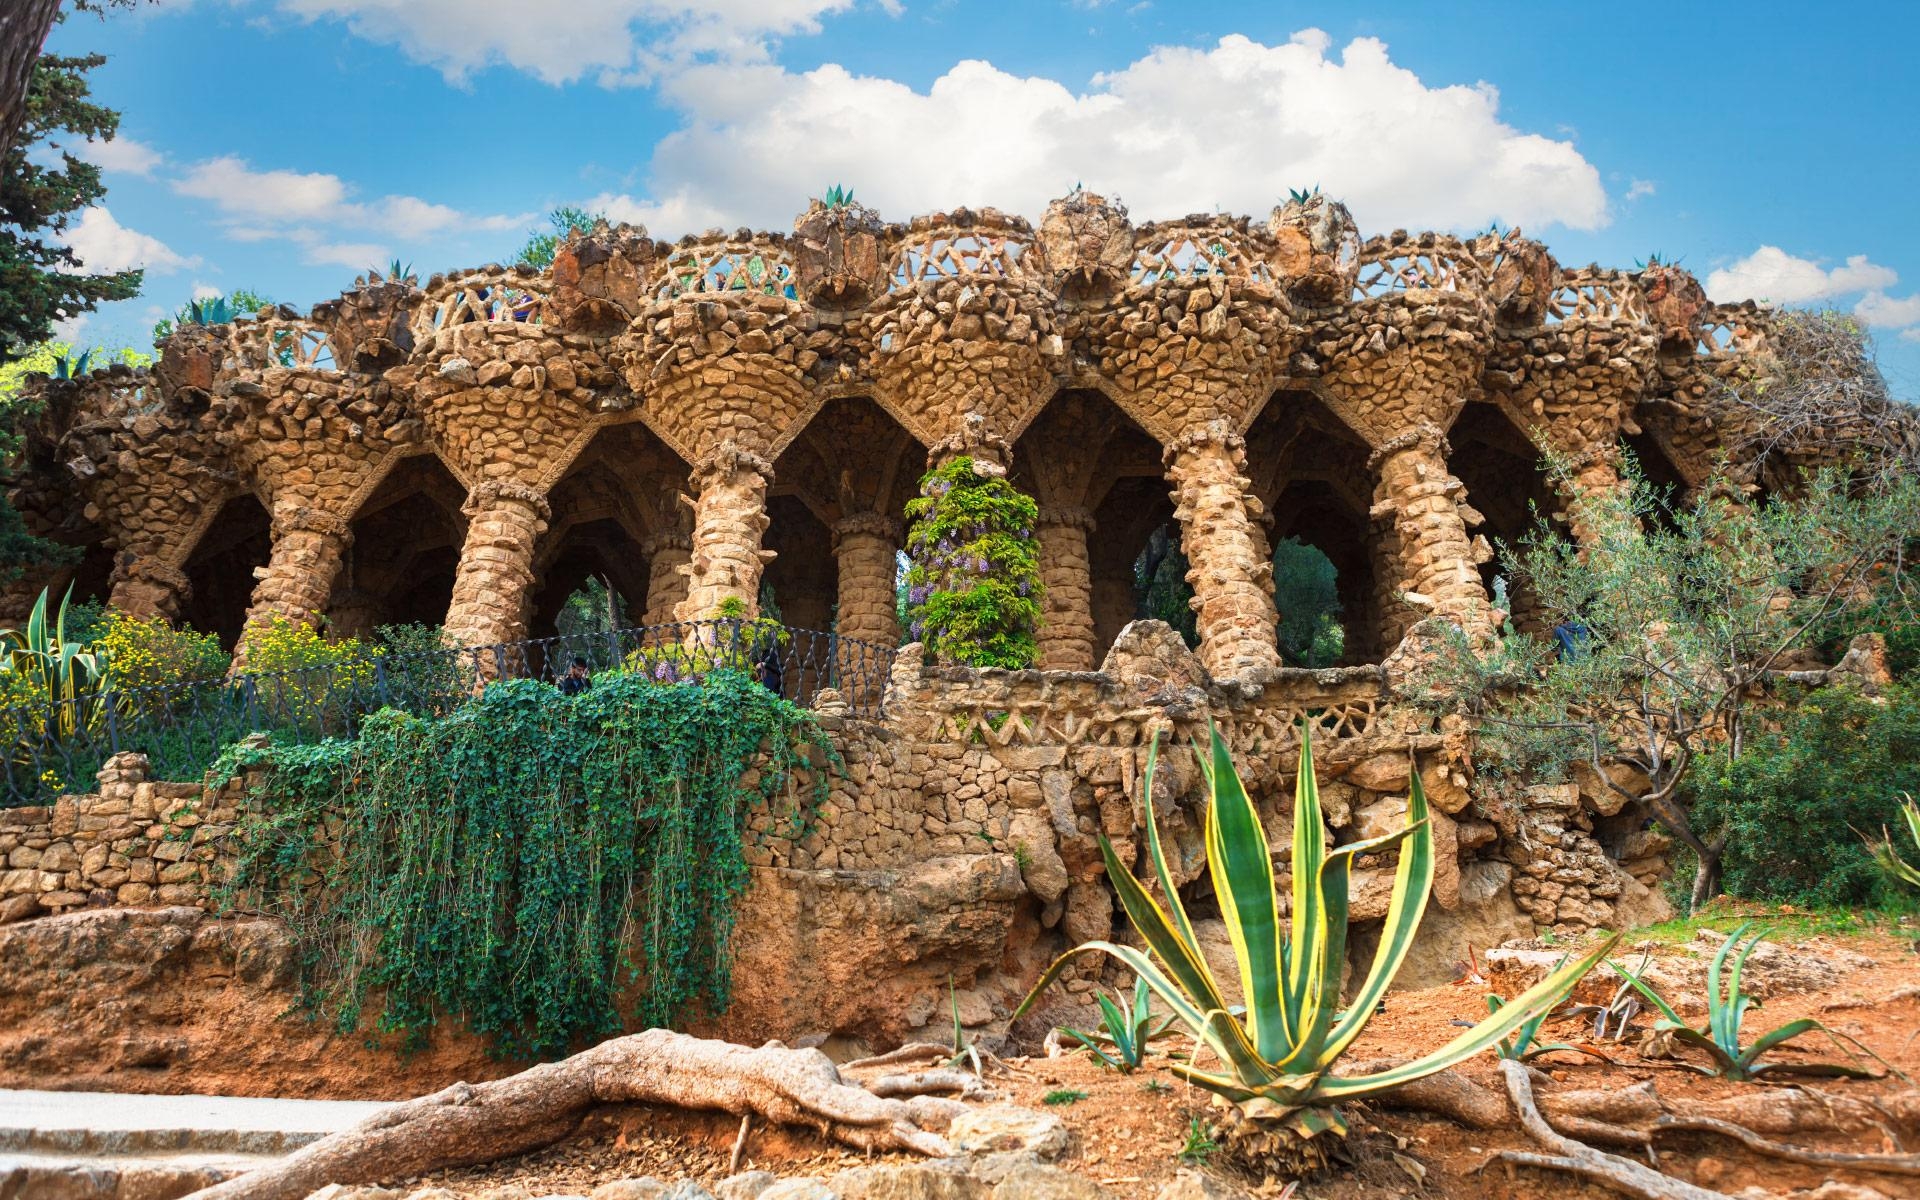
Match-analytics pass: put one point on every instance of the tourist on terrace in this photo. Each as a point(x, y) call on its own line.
point(576, 680)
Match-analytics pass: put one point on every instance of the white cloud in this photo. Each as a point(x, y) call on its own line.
point(122, 154)
point(617, 41)
point(1639, 188)
point(356, 256)
point(1770, 273)
point(103, 246)
point(241, 192)
point(1910, 335)
point(1887, 312)
point(262, 205)
point(205, 291)
point(1178, 131)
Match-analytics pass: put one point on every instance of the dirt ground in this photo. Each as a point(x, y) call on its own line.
point(1133, 1132)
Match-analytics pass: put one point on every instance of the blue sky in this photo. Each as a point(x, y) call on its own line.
point(285, 145)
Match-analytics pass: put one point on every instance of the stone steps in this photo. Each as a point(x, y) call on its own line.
point(115, 1146)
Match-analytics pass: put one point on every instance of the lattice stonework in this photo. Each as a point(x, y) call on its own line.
point(1590, 298)
point(1406, 272)
point(955, 257)
point(264, 344)
point(483, 301)
point(1040, 724)
point(1196, 256)
point(731, 267)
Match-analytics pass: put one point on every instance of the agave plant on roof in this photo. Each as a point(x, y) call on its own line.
point(1276, 1060)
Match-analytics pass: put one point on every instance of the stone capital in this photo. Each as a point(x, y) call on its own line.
point(1425, 434)
point(1065, 516)
point(150, 569)
point(872, 523)
point(989, 451)
point(730, 458)
point(292, 516)
point(1208, 434)
point(655, 544)
point(492, 493)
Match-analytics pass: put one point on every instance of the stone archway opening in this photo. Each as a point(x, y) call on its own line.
point(1657, 467)
point(220, 571)
point(1092, 470)
point(1310, 471)
point(1506, 483)
point(609, 558)
point(399, 567)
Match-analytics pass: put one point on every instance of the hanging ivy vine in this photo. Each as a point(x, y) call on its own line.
point(546, 868)
point(973, 589)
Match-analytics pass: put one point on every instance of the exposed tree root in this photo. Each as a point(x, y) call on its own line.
point(1887, 1164)
point(468, 1124)
point(1623, 1175)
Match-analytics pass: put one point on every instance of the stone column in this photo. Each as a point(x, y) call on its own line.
point(1232, 582)
point(1112, 606)
point(1435, 564)
point(1596, 477)
point(1066, 636)
point(493, 588)
point(667, 557)
point(865, 546)
point(309, 546)
point(144, 585)
point(729, 519)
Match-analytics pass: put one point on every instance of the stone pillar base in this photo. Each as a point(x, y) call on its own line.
point(1232, 581)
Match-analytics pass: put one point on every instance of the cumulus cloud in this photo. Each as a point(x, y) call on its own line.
point(615, 41)
point(122, 154)
point(1639, 188)
point(103, 246)
point(1770, 273)
point(353, 255)
point(261, 205)
point(1888, 312)
point(1181, 130)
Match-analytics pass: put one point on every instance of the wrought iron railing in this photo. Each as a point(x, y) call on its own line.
point(183, 728)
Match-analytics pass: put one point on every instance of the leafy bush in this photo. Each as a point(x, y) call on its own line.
point(1305, 591)
point(530, 864)
point(973, 590)
point(1805, 790)
point(305, 679)
point(144, 652)
point(1890, 858)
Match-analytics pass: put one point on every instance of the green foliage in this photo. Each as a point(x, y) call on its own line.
point(143, 652)
point(394, 272)
point(592, 608)
point(1309, 602)
point(1277, 1060)
point(1302, 195)
point(41, 666)
point(1063, 1096)
point(1524, 1044)
point(1678, 615)
point(973, 590)
point(1121, 1044)
point(1727, 1006)
point(838, 197)
point(214, 310)
point(542, 243)
point(1831, 752)
point(546, 869)
point(43, 185)
point(303, 679)
point(1888, 858)
point(1199, 1145)
point(1160, 586)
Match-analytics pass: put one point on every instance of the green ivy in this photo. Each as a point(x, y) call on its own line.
point(973, 590)
point(547, 869)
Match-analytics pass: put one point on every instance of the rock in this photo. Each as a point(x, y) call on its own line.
point(1389, 772)
point(1150, 659)
point(748, 1185)
point(341, 1191)
point(687, 1189)
point(433, 1193)
point(793, 1189)
point(643, 1188)
point(913, 1181)
point(1001, 1127)
point(1036, 1181)
point(1192, 1185)
point(1678, 973)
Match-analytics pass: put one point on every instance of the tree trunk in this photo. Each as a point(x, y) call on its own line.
point(1706, 875)
point(23, 31)
point(467, 1124)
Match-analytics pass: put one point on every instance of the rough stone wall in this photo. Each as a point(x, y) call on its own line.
point(961, 840)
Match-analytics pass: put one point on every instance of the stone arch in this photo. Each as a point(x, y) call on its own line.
point(1507, 489)
point(220, 568)
point(617, 516)
point(1133, 520)
point(1309, 469)
point(404, 549)
point(1069, 459)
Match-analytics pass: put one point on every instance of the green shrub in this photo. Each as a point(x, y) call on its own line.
point(144, 652)
point(1797, 803)
point(973, 591)
point(545, 868)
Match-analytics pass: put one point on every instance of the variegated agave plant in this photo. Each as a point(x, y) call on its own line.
point(1276, 1061)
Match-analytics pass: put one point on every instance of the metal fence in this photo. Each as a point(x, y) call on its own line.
point(183, 728)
